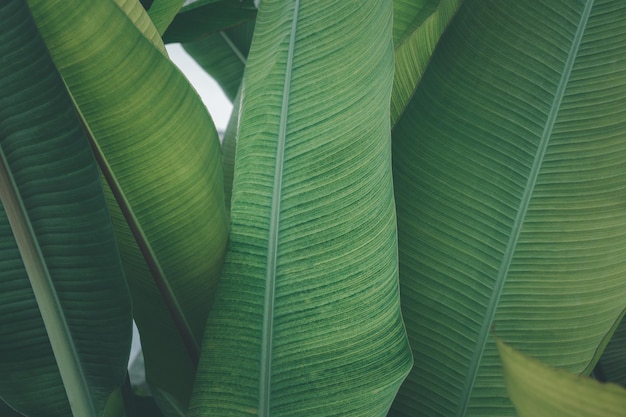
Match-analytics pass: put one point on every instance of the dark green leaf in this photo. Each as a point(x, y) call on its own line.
point(65, 313)
point(509, 185)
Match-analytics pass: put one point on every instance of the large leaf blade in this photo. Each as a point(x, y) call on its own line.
point(65, 310)
point(506, 172)
point(316, 330)
point(161, 155)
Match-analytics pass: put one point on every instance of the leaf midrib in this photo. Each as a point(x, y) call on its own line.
point(55, 322)
point(233, 47)
point(521, 215)
point(272, 253)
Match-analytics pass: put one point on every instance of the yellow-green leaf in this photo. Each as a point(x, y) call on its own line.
point(537, 390)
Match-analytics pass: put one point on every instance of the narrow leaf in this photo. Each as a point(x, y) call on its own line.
point(229, 147)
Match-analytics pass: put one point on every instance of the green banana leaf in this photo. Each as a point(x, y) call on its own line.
point(306, 319)
point(509, 182)
point(65, 312)
point(160, 154)
point(223, 56)
point(541, 391)
point(197, 21)
point(417, 27)
point(612, 364)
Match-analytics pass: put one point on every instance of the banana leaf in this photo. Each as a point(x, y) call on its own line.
point(509, 184)
point(541, 391)
point(306, 319)
point(160, 154)
point(65, 311)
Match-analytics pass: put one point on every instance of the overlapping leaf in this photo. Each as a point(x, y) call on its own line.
point(540, 391)
point(161, 155)
point(418, 25)
point(510, 188)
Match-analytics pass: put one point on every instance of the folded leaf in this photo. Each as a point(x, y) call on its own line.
point(306, 319)
point(418, 25)
point(160, 153)
point(540, 391)
point(65, 313)
point(509, 184)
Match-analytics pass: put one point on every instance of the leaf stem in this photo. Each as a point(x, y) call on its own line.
point(59, 334)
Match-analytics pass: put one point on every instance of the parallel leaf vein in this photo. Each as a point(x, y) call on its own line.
point(521, 214)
